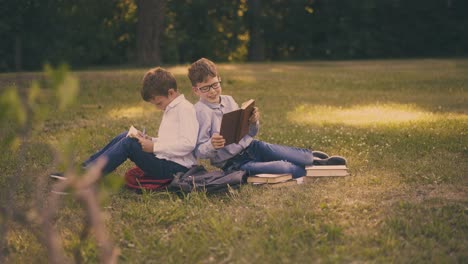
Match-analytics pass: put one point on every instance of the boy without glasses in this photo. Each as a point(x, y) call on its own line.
point(251, 155)
point(172, 151)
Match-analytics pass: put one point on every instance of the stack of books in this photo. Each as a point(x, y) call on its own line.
point(272, 180)
point(326, 171)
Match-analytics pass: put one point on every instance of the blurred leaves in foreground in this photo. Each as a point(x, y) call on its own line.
point(22, 110)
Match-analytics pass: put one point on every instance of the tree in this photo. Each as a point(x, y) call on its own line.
point(257, 40)
point(150, 25)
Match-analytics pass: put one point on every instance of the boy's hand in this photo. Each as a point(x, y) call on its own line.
point(217, 141)
point(143, 134)
point(146, 144)
point(255, 116)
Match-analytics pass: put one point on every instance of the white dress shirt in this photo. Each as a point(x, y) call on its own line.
point(177, 135)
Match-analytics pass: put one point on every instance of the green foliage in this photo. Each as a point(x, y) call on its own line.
point(66, 85)
point(12, 117)
point(92, 33)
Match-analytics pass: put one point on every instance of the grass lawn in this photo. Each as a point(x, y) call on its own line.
point(402, 125)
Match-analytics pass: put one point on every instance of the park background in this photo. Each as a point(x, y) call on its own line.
point(383, 83)
point(150, 32)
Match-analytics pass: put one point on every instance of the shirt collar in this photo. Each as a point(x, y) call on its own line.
point(222, 103)
point(175, 102)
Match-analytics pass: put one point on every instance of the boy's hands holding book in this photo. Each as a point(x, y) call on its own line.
point(134, 133)
point(236, 124)
point(255, 116)
point(217, 141)
point(144, 140)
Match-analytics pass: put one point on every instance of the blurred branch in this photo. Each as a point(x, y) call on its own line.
point(21, 111)
point(83, 190)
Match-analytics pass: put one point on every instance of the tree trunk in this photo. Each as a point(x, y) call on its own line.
point(149, 28)
point(18, 53)
point(257, 40)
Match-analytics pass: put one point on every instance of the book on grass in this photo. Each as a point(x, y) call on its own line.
point(327, 171)
point(289, 182)
point(285, 183)
point(268, 178)
point(235, 124)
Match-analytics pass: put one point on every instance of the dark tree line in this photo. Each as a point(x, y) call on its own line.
point(151, 32)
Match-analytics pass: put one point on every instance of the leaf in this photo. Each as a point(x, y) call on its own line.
point(65, 85)
point(56, 76)
point(11, 107)
point(34, 92)
point(15, 144)
point(67, 91)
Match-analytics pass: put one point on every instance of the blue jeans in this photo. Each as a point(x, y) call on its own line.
point(262, 157)
point(121, 148)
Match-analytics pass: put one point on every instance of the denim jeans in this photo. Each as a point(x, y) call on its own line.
point(121, 148)
point(262, 157)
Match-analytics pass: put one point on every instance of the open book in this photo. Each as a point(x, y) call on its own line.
point(133, 132)
point(235, 124)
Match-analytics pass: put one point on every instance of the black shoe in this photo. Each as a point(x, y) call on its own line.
point(336, 160)
point(333, 160)
point(57, 176)
point(320, 154)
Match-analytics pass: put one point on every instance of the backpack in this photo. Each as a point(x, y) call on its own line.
point(198, 178)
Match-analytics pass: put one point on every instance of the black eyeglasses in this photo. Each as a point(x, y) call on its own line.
point(207, 88)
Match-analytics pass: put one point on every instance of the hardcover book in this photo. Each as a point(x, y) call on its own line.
point(284, 184)
point(289, 182)
point(269, 178)
point(327, 171)
point(235, 124)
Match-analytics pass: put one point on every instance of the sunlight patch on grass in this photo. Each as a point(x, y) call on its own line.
point(365, 115)
point(130, 112)
point(277, 70)
point(178, 70)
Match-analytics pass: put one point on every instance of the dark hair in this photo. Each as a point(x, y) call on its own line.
point(157, 82)
point(200, 70)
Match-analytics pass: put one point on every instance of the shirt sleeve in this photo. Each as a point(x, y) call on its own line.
point(204, 148)
point(187, 130)
point(253, 129)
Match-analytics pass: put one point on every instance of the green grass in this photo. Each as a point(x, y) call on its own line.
point(402, 125)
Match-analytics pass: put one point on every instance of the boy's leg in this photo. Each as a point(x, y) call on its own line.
point(130, 148)
point(261, 151)
point(105, 148)
point(273, 167)
point(154, 167)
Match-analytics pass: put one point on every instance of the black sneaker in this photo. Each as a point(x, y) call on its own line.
point(320, 154)
point(336, 160)
point(57, 176)
point(333, 160)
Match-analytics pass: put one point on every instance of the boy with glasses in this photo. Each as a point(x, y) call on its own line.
point(251, 155)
